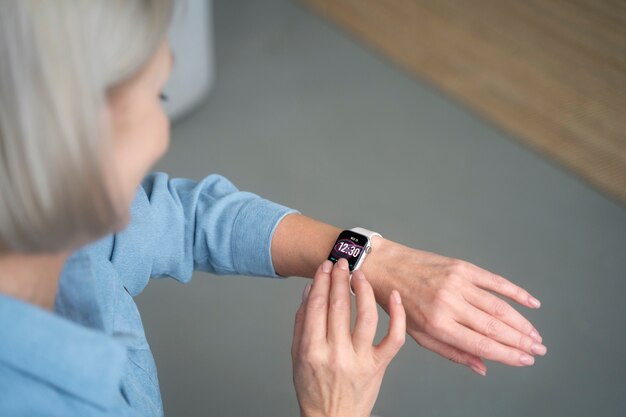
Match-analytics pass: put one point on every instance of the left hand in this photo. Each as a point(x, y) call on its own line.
point(450, 309)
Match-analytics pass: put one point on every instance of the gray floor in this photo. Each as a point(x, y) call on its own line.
point(295, 100)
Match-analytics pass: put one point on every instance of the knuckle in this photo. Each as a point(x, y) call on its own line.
point(500, 308)
point(317, 302)
point(443, 304)
point(434, 324)
point(457, 267)
point(453, 279)
point(296, 353)
point(525, 342)
point(368, 319)
point(299, 315)
point(492, 328)
point(483, 347)
point(527, 328)
point(442, 298)
point(456, 263)
point(454, 357)
point(399, 340)
point(497, 280)
point(339, 304)
point(513, 356)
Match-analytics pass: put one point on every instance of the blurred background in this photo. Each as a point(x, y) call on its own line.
point(285, 96)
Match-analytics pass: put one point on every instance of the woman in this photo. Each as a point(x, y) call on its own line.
point(78, 185)
point(82, 229)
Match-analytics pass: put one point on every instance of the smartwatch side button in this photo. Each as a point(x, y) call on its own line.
point(368, 249)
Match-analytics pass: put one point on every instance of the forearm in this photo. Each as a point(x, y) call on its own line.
point(300, 244)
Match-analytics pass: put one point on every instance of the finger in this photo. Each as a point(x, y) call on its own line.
point(501, 310)
point(395, 337)
point(316, 310)
point(299, 322)
point(501, 285)
point(366, 313)
point(496, 330)
point(484, 347)
point(450, 352)
point(339, 309)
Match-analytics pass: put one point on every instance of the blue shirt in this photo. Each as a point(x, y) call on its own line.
point(90, 357)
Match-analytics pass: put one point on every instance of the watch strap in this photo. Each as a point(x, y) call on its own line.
point(365, 232)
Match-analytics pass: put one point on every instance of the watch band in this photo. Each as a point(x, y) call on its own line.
point(365, 232)
point(369, 234)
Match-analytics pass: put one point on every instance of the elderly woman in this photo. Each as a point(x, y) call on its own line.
point(83, 226)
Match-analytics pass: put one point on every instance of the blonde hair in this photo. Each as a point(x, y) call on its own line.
point(58, 59)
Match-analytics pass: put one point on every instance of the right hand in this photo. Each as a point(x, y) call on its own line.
point(336, 372)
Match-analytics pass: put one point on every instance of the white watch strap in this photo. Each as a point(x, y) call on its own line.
point(369, 234)
point(365, 232)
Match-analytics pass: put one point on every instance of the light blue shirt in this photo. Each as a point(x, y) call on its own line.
point(91, 358)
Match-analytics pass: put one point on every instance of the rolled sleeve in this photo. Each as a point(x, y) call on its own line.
point(179, 225)
point(253, 230)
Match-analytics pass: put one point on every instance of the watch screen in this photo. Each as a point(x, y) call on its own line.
point(349, 245)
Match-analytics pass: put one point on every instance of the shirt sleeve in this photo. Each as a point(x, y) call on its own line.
point(179, 225)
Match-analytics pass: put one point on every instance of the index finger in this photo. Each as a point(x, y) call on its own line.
point(501, 285)
point(316, 311)
point(340, 306)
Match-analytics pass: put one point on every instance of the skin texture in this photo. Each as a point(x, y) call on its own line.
point(338, 372)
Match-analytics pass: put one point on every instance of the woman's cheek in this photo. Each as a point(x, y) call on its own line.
point(153, 141)
point(164, 134)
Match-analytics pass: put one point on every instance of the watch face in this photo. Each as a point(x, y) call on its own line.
point(349, 245)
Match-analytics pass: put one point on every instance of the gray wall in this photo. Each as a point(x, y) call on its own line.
point(295, 98)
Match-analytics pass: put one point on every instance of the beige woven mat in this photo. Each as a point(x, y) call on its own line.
point(550, 72)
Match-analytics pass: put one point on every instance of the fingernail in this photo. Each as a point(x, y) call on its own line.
point(358, 274)
point(327, 266)
point(305, 292)
point(534, 302)
point(536, 336)
point(396, 296)
point(478, 370)
point(538, 349)
point(526, 360)
point(342, 263)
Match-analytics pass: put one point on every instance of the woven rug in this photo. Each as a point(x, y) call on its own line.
point(551, 73)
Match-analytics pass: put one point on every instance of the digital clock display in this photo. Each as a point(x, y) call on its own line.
point(349, 245)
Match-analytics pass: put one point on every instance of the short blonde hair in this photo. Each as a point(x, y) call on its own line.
point(58, 59)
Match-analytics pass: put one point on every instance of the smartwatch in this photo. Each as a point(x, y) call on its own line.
point(354, 245)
